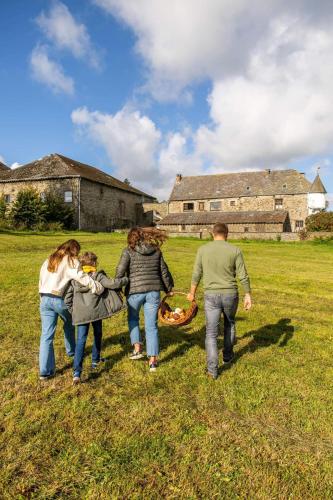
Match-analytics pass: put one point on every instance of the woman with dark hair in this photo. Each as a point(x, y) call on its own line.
point(142, 262)
point(55, 275)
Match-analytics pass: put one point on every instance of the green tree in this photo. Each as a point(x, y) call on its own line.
point(321, 221)
point(27, 210)
point(54, 209)
point(2, 207)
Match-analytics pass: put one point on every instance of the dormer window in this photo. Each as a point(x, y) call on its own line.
point(188, 207)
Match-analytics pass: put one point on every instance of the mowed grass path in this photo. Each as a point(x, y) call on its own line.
point(262, 430)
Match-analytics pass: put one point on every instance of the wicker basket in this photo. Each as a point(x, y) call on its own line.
point(186, 319)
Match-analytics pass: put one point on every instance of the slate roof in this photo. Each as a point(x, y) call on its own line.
point(193, 218)
point(317, 186)
point(3, 167)
point(264, 182)
point(57, 166)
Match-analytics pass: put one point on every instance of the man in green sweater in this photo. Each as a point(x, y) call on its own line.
point(219, 263)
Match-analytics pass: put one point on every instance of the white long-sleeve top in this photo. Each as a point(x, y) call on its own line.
point(56, 283)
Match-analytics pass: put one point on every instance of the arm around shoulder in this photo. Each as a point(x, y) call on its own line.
point(123, 264)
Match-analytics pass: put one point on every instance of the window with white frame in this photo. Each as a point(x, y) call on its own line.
point(68, 197)
point(215, 206)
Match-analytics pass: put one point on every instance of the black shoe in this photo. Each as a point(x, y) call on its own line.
point(95, 364)
point(46, 377)
point(228, 361)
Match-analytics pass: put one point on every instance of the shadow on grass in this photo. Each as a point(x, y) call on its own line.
point(278, 333)
point(272, 334)
point(183, 340)
point(110, 361)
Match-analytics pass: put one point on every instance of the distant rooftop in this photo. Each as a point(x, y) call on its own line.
point(57, 166)
point(261, 183)
point(3, 167)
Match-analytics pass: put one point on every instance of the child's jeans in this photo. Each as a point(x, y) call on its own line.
point(150, 302)
point(82, 334)
point(51, 307)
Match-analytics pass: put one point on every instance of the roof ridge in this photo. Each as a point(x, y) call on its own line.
point(246, 172)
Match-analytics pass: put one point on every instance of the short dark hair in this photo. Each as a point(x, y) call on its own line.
point(88, 259)
point(220, 229)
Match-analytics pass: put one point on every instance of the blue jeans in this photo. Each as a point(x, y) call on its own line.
point(150, 302)
point(51, 307)
point(215, 305)
point(82, 334)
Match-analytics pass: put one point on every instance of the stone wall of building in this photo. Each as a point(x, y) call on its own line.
point(296, 205)
point(57, 186)
point(104, 208)
point(96, 207)
point(243, 229)
point(161, 208)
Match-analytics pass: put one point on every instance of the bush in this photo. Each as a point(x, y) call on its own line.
point(321, 221)
point(2, 207)
point(303, 235)
point(55, 210)
point(29, 211)
point(26, 211)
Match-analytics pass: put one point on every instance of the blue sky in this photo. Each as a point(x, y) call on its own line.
point(147, 89)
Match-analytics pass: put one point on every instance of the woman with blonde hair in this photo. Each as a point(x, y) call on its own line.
point(56, 273)
point(143, 263)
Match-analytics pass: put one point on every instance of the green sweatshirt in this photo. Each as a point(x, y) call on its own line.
point(219, 263)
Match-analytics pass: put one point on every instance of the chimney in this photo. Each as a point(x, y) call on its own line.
point(178, 178)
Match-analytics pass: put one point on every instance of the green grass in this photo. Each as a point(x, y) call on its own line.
point(262, 430)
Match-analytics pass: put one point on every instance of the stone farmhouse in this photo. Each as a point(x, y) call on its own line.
point(259, 204)
point(100, 202)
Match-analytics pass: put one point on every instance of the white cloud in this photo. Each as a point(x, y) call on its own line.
point(136, 148)
point(49, 72)
point(280, 109)
point(61, 28)
point(129, 139)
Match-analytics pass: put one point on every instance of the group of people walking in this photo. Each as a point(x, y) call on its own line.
point(71, 287)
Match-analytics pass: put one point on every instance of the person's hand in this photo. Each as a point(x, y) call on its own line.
point(190, 297)
point(247, 302)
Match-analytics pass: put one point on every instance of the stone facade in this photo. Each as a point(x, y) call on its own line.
point(105, 208)
point(296, 205)
point(56, 186)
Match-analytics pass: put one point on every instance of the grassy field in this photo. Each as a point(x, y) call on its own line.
point(262, 430)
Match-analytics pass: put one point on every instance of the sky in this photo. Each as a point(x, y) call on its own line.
point(146, 89)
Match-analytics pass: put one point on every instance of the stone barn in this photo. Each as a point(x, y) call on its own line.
point(100, 202)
